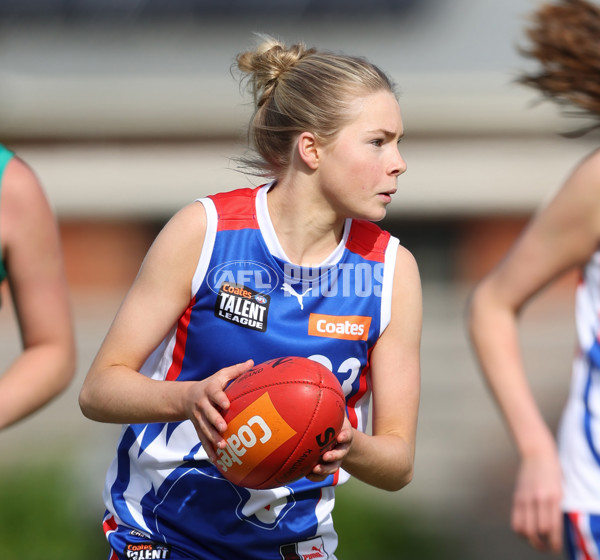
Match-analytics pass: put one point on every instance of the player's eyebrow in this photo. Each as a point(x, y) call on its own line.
point(389, 135)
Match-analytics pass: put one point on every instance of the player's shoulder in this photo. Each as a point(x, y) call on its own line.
point(175, 251)
point(188, 223)
point(592, 158)
point(19, 181)
point(407, 266)
point(586, 173)
point(24, 201)
point(579, 195)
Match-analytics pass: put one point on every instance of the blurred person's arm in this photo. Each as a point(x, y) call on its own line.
point(33, 257)
point(562, 236)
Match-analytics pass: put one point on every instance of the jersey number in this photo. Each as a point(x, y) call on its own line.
point(349, 367)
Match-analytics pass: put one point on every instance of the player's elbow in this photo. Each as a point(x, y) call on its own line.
point(59, 363)
point(472, 308)
point(395, 476)
point(90, 397)
point(402, 479)
point(395, 469)
point(86, 403)
point(478, 307)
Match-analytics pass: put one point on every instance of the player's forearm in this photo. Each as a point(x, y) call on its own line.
point(383, 461)
point(38, 375)
point(118, 394)
point(493, 330)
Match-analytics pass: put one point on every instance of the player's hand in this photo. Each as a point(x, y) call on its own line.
point(332, 459)
point(536, 513)
point(205, 403)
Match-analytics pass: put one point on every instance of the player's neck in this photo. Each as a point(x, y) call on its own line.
point(307, 230)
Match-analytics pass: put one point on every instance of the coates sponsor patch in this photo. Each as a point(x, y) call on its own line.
point(252, 436)
point(243, 306)
point(344, 327)
point(146, 550)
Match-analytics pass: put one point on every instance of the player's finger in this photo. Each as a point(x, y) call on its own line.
point(209, 438)
point(224, 377)
point(555, 529)
point(535, 524)
point(232, 372)
point(212, 421)
point(322, 470)
point(336, 453)
point(519, 517)
point(346, 433)
point(314, 477)
point(547, 523)
point(530, 527)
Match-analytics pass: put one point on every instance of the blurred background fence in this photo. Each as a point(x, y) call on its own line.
point(128, 110)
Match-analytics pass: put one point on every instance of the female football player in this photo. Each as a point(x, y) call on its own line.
point(293, 267)
point(555, 486)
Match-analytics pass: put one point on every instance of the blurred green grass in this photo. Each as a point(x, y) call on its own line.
point(46, 514)
point(368, 530)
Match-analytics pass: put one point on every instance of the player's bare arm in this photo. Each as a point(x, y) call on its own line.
point(386, 459)
point(31, 248)
point(114, 390)
point(562, 236)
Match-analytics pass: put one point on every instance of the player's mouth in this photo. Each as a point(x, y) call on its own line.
point(387, 195)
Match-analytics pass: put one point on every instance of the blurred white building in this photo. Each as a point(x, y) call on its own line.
point(130, 108)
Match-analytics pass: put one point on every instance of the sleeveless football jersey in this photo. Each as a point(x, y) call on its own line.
point(249, 301)
point(5, 157)
point(579, 433)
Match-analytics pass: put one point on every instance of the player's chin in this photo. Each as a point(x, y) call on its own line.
point(378, 212)
point(374, 214)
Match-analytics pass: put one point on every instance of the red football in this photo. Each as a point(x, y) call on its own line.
point(284, 414)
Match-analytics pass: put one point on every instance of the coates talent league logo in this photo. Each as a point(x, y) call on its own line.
point(242, 289)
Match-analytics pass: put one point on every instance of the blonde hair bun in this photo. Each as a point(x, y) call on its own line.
point(298, 89)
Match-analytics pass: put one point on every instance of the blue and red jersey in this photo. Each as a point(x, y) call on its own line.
point(249, 301)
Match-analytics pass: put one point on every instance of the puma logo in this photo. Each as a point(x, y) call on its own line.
point(287, 288)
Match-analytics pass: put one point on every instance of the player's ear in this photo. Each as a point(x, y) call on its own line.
point(308, 149)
